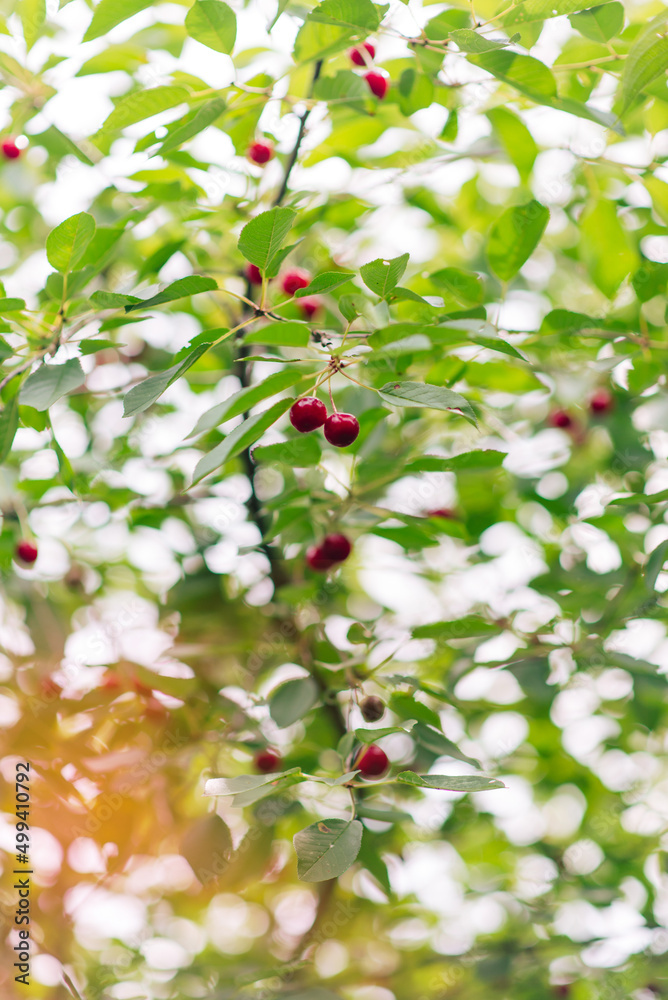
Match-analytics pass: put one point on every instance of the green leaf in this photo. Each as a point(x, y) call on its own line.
point(66, 244)
point(287, 334)
point(11, 305)
point(194, 284)
point(470, 41)
point(450, 783)
point(143, 104)
point(9, 422)
point(439, 744)
point(327, 849)
point(637, 498)
point(522, 72)
point(193, 124)
point(514, 237)
point(246, 782)
point(93, 346)
point(539, 10)
point(292, 700)
point(469, 627)
point(245, 400)
point(141, 396)
point(422, 394)
point(356, 14)
point(50, 382)
point(205, 845)
point(381, 276)
point(416, 91)
point(109, 13)
point(599, 24)
point(239, 439)
point(657, 558)
point(33, 18)
point(605, 246)
point(464, 287)
point(212, 23)
point(646, 59)
point(264, 235)
point(325, 282)
point(113, 300)
point(650, 279)
point(515, 138)
point(369, 736)
point(299, 453)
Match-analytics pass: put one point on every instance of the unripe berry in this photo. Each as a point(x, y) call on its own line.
point(294, 280)
point(341, 429)
point(356, 56)
point(267, 760)
point(260, 153)
point(378, 84)
point(26, 552)
point(307, 414)
point(10, 150)
point(309, 306)
point(335, 548)
point(253, 274)
point(601, 402)
point(371, 761)
point(372, 708)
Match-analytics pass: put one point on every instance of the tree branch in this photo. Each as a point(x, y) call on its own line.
point(300, 135)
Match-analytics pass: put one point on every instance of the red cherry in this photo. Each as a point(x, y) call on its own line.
point(335, 548)
point(307, 414)
point(371, 761)
point(317, 561)
point(293, 280)
point(267, 760)
point(253, 274)
point(10, 150)
point(441, 512)
point(26, 552)
point(260, 153)
point(341, 429)
point(560, 418)
point(601, 402)
point(378, 84)
point(357, 57)
point(309, 307)
point(372, 708)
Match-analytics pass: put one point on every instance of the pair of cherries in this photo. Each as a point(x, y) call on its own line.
point(309, 413)
point(291, 282)
point(362, 55)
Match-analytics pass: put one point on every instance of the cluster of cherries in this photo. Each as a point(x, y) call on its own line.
point(371, 761)
point(599, 404)
point(291, 282)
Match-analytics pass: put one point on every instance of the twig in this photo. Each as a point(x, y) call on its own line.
point(300, 135)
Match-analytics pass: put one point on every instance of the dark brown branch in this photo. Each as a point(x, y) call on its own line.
point(300, 136)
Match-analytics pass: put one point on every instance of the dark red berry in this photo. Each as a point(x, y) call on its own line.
point(559, 418)
point(253, 274)
point(371, 761)
point(307, 414)
point(260, 153)
point(295, 279)
point(357, 57)
point(601, 402)
point(341, 429)
point(26, 552)
point(378, 84)
point(316, 560)
point(10, 150)
point(267, 760)
point(441, 512)
point(336, 548)
point(372, 708)
point(309, 307)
